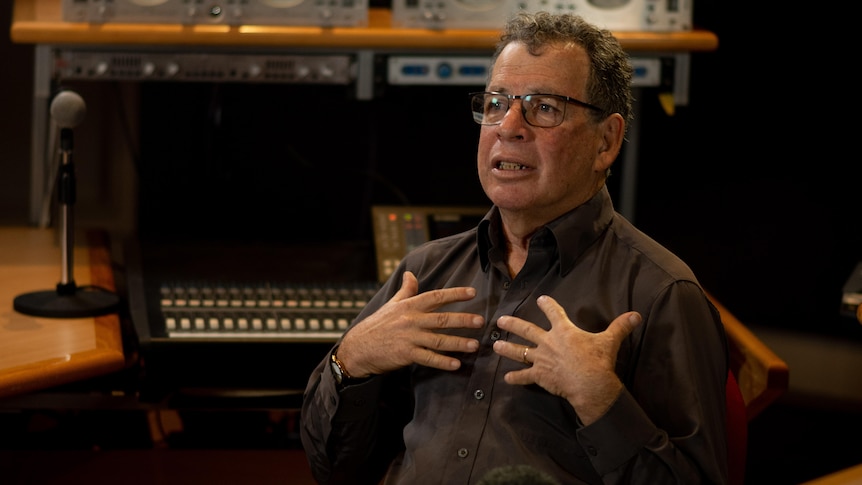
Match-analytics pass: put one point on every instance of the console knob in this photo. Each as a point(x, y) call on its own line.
point(101, 68)
point(172, 69)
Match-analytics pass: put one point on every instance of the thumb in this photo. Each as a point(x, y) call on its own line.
point(409, 286)
point(624, 324)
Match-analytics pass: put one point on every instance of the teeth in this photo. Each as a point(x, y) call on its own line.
point(510, 166)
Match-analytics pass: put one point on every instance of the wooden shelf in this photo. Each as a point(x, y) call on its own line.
point(40, 22)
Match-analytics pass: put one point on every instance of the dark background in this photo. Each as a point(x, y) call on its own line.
point(753, 183)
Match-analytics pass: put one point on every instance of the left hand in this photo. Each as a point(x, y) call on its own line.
point(567, 361)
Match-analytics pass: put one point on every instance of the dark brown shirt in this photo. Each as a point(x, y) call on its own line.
point(427, 426)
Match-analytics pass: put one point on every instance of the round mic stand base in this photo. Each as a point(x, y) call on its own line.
point(78, 304)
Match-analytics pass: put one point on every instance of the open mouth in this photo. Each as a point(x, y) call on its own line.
point(510, 166)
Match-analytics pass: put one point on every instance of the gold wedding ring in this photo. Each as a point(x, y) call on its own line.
point(524, 355)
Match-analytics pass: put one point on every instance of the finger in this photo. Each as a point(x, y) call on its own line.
point(431, 358)
point(623, 325)
point(444, 320)
point(514, 351)
point(443, 342)
point(619, 328)
point(522, 328)
point(553, 310)
point(523, 377)
point(434, 299)
point(409, 287)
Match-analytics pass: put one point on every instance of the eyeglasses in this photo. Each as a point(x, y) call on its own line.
point(543, 110)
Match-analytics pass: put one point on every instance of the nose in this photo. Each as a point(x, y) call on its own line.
point(515, 118)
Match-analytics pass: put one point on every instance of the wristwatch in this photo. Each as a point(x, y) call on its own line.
point(338, 370)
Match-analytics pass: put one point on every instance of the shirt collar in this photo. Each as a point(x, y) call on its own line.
point(575, 230)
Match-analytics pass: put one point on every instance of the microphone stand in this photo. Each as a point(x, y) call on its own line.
point(68, 300)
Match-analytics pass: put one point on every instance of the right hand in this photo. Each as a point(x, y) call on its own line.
point(404, 332)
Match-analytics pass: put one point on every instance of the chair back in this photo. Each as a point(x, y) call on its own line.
point(756, 378)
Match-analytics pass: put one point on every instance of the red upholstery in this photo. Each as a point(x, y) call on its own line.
point(737, 432)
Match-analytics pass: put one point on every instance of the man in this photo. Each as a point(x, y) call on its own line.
point(554, 335)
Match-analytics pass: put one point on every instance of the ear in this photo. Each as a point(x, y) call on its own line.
point(611, 132)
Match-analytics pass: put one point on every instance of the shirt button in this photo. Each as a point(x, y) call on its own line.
point(506, 285)
point(592, 450)
point(479, 394)
point(495, 335)
point(462, 453)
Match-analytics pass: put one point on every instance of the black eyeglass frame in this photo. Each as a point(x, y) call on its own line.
point(510, 97)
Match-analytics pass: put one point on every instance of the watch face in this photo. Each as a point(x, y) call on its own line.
point(336, 371)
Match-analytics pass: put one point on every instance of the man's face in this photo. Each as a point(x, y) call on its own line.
point(539, 172)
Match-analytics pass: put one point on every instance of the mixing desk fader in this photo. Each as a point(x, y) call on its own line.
point(280, 311)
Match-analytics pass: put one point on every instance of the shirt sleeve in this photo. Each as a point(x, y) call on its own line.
point(351, 435)
point(341, 430)
point(668, 425)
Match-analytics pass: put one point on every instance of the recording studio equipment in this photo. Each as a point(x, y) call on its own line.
point(235, 315)
point(68, 110)
point(436, 70)
point(251, 317)
point(400, 229)
point(68, 300)
point(340, 13)
point(286, 311)
point(206, 67)
point(617, 15)
point(459, 14)
point(474, 70)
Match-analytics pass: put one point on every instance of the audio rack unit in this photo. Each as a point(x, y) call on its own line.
point(205, 67)
point(474, 70)
point(329, 13)
point(617, 15)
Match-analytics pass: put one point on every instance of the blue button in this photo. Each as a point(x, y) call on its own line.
point(414, 70)
point(444, 70)
point(472, 70)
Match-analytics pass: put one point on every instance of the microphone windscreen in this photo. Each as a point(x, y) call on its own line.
point(516, 475)
point(68, 109)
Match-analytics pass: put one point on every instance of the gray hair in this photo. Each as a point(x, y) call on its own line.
point(609, 81)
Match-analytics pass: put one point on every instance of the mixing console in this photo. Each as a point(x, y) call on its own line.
point(283, 311)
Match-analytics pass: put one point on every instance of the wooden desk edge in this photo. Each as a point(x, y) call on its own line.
point(29, 27)
point(45, 374)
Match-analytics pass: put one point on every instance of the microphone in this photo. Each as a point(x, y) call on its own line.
point(68, 109)
point(516, 475)
point(68, 300)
